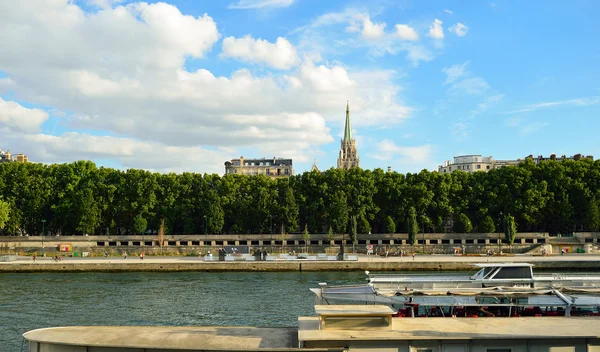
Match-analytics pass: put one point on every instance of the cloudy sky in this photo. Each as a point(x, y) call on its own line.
point(185, 85)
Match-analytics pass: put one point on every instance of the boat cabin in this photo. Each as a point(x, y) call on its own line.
point(503, 271)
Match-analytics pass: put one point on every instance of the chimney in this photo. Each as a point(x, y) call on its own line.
point(552, 156)
point(389, 169)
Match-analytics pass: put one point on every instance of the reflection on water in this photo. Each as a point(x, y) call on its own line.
point(31, 301)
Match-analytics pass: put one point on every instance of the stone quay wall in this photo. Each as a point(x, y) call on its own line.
point(431, 243)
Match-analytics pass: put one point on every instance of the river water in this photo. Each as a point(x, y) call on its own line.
point(31, 301)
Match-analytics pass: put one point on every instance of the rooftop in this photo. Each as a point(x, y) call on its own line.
point(460, 329)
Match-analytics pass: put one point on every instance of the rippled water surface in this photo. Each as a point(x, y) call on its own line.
point(31, 301)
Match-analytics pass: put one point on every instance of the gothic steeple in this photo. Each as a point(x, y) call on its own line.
point(348, 128)
point(348, 157)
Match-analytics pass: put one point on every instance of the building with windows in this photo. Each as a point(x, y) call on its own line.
point(6, 156)
point(348, 157)
point(474, 163)
point(275, 167)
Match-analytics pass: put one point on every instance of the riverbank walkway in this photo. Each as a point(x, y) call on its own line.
point(361, 258)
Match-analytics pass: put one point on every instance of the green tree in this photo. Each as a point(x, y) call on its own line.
point(592, 218)
point(139, 224)
point(510, 229)
point(89, 218)
point(413, 226)
point(353, 231)
point(4, 213)
point(306, 237)
point(330, 235)
point(390, 225)
point(487, 225)
point(463, 224)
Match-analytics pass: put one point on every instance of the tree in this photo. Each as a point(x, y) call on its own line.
point(89, 213)
point(306, 237)
point(161, 234)
point(592, 218)
point(413, 226)
point(463, 224)
point(330, 235)
point(353, 231)
point(139, 224)
point(4, 213)
point(510, 229)
point(390, 225)
point(487, 225)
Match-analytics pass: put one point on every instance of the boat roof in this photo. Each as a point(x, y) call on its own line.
point(495, 265)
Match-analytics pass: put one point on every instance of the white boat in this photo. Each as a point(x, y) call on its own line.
point(511, 286)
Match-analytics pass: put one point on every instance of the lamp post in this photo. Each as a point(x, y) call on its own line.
point(271, 228)
point(43, 231)
point(499, 240)
point(423, 233)
point(205, 229)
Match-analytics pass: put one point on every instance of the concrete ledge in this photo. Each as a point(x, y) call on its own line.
point(279, 266)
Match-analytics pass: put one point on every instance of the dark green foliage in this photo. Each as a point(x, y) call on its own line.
point(353, 230)
point(487, 225)
point(462, 224)
point(556, 197)
point(4, 213)
point(510, 229)
point(390, 225)
point(413, 226)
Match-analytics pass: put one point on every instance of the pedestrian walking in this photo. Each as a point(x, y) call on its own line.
point(125, 255)
point(413, 255)
point(34, 258)
point(141, 256)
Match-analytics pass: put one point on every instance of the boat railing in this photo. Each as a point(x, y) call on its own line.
point(562, 276)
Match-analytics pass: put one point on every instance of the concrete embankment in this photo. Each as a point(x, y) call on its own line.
point(122, 266)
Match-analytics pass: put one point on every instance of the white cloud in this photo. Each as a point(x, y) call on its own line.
point(454, 72)
point(570, 102)
point(417, 53)
point(18, 118)
point(435, 30)
point(372, 30)
point(280, 55)
point(450, 12)
point(459, 29)
point(405, 158)
point(83, 63)
point(260, 4)
point(104, 4)
point(524, 127)
point(473, 85)
point(405, 32)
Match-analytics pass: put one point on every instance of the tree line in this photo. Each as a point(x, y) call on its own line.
point(80, 198)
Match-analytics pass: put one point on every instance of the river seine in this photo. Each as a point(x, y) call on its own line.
point(31, 301)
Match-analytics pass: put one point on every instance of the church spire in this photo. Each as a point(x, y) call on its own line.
point(348, 128)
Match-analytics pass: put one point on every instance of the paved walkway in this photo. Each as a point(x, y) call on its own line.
point(361, 258)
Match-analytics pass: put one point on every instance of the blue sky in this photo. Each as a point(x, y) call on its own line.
point(186, 85)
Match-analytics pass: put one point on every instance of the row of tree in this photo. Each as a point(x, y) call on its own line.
point(77, 198)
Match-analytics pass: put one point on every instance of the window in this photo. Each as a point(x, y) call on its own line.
point(478, 166)
point(514, 273)
point(268, 171)
point(499, 350)
point(487, 167)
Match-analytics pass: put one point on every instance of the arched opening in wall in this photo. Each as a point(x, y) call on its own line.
point(541, 240)
point(362, 241)
point(314, 242)
point(470, 241)
point(148, 243)
point(385, 241)
point(135, 243)
point(254, 243)
point(267, 243)
point(183, 243)
point(529, 240)
point(112, 244)
point(171, 243)
point(290, 242)
point(100, 243)
point(445, 241)
point(218, 243)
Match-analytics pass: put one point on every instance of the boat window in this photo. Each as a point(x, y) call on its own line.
point(499, 350)
point(516, 272)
